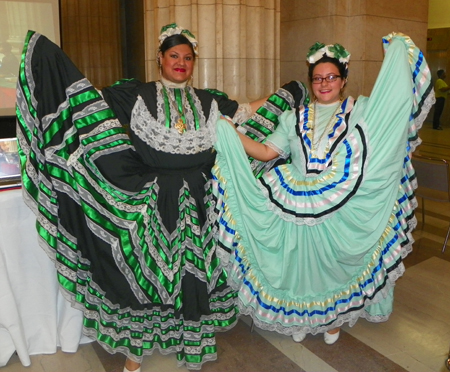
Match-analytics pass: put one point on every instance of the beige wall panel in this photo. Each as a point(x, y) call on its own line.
point(183, 15)
point(292, 70)
point(206, 71)
point(358, 25)
point(150, 30)
point(161, 3)
point(370, 73)
point(207, 35)
point(254, 77)
point(255, 51)
point(232, 40)
point(231, 52)
point(178, 3)
point(236, 37)
point(269, 80)
point(400, 9)
point(255, 3)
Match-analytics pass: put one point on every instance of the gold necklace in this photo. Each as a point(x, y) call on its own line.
point(315, 143)
point(180, 125)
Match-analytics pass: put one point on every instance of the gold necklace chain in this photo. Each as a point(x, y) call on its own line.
point(326, 131)
point(180, 125)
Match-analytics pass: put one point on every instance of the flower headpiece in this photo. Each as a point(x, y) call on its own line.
point(337, 51)
point(174, 29)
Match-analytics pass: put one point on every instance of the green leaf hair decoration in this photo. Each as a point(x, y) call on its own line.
point(315, 48)
point(174, 29)
point(339, 52)
point(318, 50)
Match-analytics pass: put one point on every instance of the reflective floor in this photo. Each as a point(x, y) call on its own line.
point(416, 337)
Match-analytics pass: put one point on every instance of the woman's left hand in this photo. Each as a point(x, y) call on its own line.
point(227, 118)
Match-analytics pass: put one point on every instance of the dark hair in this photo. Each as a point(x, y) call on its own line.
point(342, 67)
point(175, 40)
point(440, 73)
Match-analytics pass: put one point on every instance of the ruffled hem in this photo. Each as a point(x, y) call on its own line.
point(275, 310)
point(368, 291)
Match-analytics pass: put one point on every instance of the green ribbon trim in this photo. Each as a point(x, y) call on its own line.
point(193, 108)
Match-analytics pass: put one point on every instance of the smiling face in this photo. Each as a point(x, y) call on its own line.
point(177, 63)
point(327, 92)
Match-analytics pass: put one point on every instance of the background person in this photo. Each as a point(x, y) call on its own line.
point(440, 89)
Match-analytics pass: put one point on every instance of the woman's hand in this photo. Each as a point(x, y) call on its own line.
point(227, 118)
point(254, 149)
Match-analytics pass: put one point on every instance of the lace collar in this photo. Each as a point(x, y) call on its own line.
point(171, 84)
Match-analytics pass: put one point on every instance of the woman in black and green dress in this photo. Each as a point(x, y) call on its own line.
point(129, 219)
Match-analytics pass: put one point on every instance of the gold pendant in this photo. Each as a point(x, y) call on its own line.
point(180, 126)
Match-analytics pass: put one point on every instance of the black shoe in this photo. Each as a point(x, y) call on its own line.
point(438, 128)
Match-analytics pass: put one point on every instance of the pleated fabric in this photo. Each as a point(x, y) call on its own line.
point(130, 227)
point(319, 242)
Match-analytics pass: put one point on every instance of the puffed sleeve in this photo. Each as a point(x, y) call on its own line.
point(226, 105)
point(121, 97)
point(279, 140)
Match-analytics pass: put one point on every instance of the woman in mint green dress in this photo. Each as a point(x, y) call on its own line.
point(319, 241)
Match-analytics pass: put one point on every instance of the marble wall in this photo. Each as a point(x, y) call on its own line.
point(358, 25)
point(238, 42)
point(247, 48)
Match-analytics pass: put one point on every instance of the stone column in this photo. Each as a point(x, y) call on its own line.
point(238, 43)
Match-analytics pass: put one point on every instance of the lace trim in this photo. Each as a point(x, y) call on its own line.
point(350, 318)
point(283, 154)
point(154, 133)
point(428, 103)
point(289, 217)
point(243, 113)
point(195, 337)
point(171, 84)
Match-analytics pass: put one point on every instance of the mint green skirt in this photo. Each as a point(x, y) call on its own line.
point(319, 241)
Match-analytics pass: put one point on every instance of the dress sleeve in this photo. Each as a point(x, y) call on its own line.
point(403, 87)
point(279, 140)
point(226, 105)
point(121, 97)
point(389, 121)
point(267, 118)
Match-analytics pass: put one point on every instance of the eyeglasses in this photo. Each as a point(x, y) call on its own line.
point(328, 79)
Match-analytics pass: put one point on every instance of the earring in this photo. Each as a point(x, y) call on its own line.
point(158, 59)
point(158, 63)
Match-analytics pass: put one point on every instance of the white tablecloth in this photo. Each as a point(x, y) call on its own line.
point(34, 316)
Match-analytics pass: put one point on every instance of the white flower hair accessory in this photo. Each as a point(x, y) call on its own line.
point(174, 29)
point(337, 51)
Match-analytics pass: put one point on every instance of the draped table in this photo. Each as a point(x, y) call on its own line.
point(34, 316)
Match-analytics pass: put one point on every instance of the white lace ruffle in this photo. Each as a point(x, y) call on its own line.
point(153, 132)
point(243, 113)
point(351, 318)
point(418, 121)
